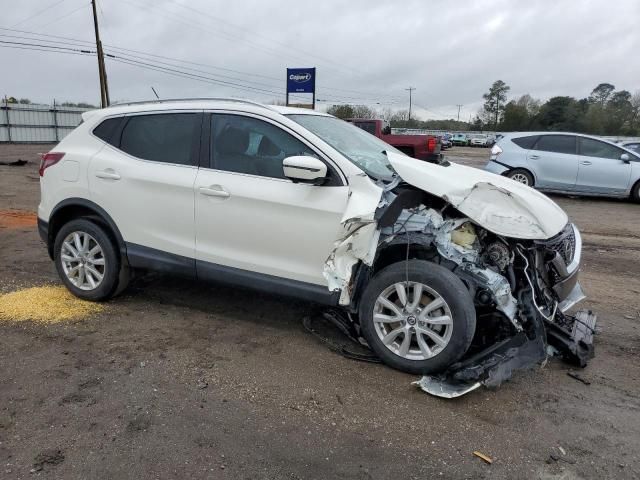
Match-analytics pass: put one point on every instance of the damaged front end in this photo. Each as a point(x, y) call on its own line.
point(521, 285)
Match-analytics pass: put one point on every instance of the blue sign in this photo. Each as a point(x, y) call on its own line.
point(301, 80)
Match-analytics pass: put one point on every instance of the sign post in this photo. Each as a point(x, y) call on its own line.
point(302, 80)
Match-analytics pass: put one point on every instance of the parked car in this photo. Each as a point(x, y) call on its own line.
point(422, 147)
point(633, 145)
point(568, 163)
point(479, 140)
point(446, 141)
point(460, 139)
point(299, 203)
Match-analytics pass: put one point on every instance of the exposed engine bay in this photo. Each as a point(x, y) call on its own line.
point(521, 287)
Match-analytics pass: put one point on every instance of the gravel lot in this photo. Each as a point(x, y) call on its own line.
point(176, 379)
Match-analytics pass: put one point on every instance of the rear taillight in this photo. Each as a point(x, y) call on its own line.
point(495, 151)
point(49, 159)
point(431, 144)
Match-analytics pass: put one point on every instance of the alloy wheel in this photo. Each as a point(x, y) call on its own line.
point(83, 260)
point(520, 178)
point(413, 320)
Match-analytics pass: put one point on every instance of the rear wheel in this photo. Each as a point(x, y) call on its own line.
point(420, 325)
point(521, 176)
point(635, 192)
point(87, 261)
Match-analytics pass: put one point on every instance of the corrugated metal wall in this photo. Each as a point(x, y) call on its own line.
point(30, 123)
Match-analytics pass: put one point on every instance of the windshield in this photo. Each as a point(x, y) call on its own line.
point(360, 147)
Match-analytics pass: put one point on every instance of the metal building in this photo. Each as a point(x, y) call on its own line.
point(32, 123)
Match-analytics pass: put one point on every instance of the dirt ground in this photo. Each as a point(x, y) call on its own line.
point(177, 379)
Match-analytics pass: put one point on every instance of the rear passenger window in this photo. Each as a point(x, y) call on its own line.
point(557, 144)
point(106, 129)
point(248, 145)
point(165, 137)
point(526, 142)
point(594, 148)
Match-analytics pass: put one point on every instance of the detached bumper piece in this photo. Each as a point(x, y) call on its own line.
point(570, 338)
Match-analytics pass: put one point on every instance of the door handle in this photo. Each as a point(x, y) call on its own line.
point(585, 162)
point(214, 191)
point(534, 157)
point(108, 174)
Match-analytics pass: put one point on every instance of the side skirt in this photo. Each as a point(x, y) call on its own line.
point(146, 258)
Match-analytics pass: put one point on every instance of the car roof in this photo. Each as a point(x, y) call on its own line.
point(195, 104)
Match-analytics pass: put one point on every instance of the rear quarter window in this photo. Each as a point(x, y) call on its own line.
point(106, 130)
point(526, 142)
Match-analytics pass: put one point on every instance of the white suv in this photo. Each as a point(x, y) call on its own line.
point(426, 259)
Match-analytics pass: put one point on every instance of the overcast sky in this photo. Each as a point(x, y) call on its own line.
point(366, 51)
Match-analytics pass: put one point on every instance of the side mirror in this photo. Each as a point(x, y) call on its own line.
point(625, 158)
point(386, 131)
point(301, 168)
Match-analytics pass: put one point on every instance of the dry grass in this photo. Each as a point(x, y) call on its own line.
point(47, 304)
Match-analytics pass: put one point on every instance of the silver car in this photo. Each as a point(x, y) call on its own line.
point(568, 163)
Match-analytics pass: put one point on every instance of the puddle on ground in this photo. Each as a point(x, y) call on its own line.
point(17, 219)
point(46, 304)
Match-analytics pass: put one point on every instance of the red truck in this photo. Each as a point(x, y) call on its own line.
point(422, 147)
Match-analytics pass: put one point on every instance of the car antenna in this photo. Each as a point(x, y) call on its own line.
point(155, 93)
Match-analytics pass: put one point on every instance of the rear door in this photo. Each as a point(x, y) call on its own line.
point(601, 170)
point(144, 179)
point(554, 161)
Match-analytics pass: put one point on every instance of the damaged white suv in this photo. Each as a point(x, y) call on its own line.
point(441, 268)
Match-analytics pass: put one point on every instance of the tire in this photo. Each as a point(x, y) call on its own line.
point(436, 283)
point(521, 176)
point(90, 276)
point(635, 192)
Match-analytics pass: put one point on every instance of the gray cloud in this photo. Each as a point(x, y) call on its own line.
point(368, 50)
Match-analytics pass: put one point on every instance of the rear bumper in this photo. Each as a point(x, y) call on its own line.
point(495, 167)
point(430, 157)
point(43, 230)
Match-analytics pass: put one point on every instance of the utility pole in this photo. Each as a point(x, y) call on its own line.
point(410, 89)
point(459, 107)
point(102, 72)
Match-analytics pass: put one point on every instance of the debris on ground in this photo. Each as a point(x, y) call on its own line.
point(484, 457)
point(48, 457)
point(17, 219)
point(14, 163)
point(46, 304)
point(577, 376)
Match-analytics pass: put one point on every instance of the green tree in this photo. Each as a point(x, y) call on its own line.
point(494, 103)
point(341, 111)
point(601, 94)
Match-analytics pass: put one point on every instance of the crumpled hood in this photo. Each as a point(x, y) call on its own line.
point(496, 203)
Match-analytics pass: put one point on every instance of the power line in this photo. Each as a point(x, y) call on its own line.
point(37, 13)
point(117, 49)
point(84, 5)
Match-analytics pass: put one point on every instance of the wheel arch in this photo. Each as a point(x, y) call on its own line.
point(72, 208)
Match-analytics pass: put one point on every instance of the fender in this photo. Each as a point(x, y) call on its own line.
point(89, 205)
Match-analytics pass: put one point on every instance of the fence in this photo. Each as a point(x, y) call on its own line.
point(31, 123)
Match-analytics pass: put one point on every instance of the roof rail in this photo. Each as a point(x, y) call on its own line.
point(166, 100)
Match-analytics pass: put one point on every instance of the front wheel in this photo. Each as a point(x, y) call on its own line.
point(635, 192)
point(87, 261)
point(418, 317)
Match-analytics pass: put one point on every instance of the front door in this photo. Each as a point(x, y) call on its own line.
point(250, 217)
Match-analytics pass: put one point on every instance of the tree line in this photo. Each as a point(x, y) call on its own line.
point(606, 111)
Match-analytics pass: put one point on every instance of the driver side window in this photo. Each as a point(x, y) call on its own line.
point(248, 145)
